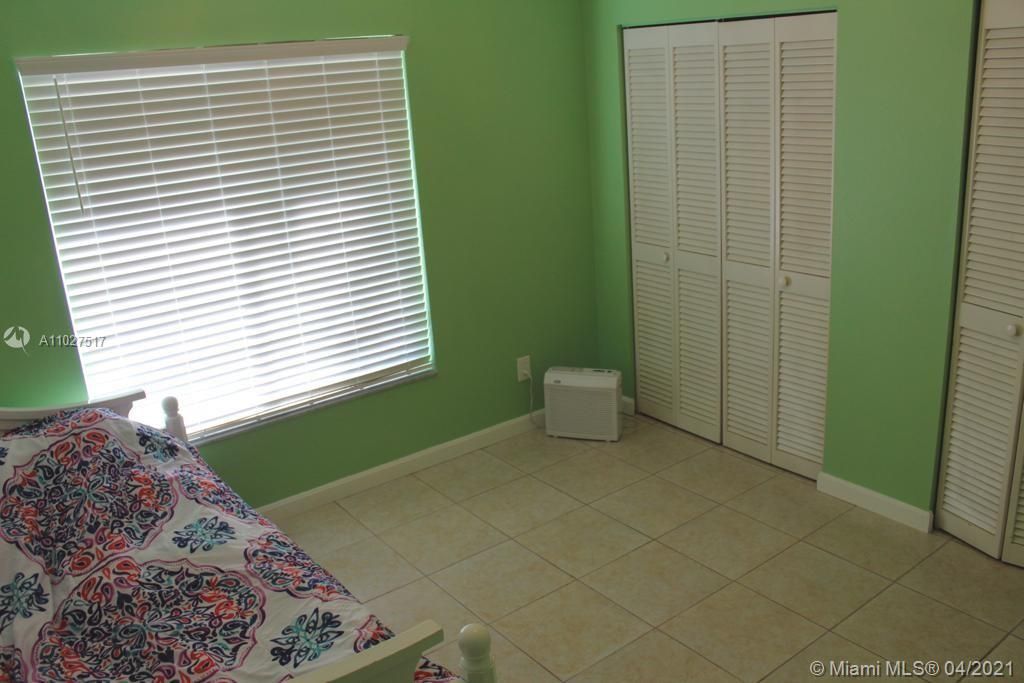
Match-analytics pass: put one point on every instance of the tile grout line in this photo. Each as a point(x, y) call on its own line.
point(505, 538)
point(573, 578)
point(657, 539)
point(951, 539)
point(757, 566)
point(892, 582)
point(795, 655)
point(895, 582)
point(578, 579)
point(521, 473)
point(826, 630)
point(513, 539)
point(627, 609)
point(954, 608)
point(708, 597)
point(490, 625)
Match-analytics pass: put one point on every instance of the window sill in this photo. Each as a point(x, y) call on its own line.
point(214, 435)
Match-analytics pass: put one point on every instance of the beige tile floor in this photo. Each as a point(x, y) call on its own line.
point(661, 558)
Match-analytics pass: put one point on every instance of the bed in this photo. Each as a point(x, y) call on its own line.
point(124, 557)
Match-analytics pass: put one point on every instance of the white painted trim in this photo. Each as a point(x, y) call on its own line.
point(375, 476)
point(12, 418)
point(876, 502)
point(109, 61)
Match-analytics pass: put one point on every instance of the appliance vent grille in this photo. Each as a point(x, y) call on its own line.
point(583, 403)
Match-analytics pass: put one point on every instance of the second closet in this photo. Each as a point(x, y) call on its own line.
point(730, 136)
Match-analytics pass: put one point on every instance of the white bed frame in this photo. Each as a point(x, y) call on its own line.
point(392, 661)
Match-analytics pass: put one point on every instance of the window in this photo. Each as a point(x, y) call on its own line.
point(240, 224)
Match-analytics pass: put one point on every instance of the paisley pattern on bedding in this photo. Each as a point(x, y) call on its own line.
point(370, 633)
point(58, 424)
point(163, 620)
point(21, 598)
point(429, 672)
point(83, 499)
point(306, 638)
point(160, 445)
point(12, 668)
point(123, 556)
point(199, 483)
point(205, 533)
point(283, 566)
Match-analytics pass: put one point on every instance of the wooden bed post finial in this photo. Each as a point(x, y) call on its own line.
point(174, 423)
point(477, 663)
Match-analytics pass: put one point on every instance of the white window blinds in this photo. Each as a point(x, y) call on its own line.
point(240, 223)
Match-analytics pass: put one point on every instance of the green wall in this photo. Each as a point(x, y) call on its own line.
point(903, 78)
point(497, 103)
point(518, 119)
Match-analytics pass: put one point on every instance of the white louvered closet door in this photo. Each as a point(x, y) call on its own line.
point(652, 214)
point(745, 53)
point(983, 408)
point(804, 99)
point(1004, 45)
point(694, 62)
point(1013, 543)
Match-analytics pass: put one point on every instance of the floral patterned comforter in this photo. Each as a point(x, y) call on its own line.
point(124, 557)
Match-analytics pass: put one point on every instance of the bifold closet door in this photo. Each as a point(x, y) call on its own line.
point(694, 63)
point(1013, 542)
point(652, 214)
point(730, 148)
point(672, 111)
point(747, 74)
point(804, 53)
point(984, 404)
point(1004, 45)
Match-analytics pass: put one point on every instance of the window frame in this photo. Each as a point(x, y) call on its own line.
point(325, 394)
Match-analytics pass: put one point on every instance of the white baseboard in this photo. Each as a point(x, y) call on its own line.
point(876, 502)
point(361, 481)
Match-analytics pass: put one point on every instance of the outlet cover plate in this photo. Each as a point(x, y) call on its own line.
point(522, 368)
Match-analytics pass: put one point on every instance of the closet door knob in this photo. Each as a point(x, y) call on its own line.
point(1012, 330)
point(783, 281)
point(665, 257)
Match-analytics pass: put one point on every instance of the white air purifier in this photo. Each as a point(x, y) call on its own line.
point(583, 403)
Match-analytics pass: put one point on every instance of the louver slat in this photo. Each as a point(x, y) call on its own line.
point(695, 74)
point(994, 275)
point(654, 336)
point(651, 194)
point(747, 186)
point(652, 217)
point(699, 350)
point(746, 101)
point(748, 370)
point(977, 499)
point(802, 372)
point(993, 269)
point(1015, 538)
point(238, 223)
point(806, 95)
point(695, 84)
point(982, 419)
point(805, 48)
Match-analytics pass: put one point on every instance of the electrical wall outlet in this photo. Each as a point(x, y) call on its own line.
point(523, 368)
